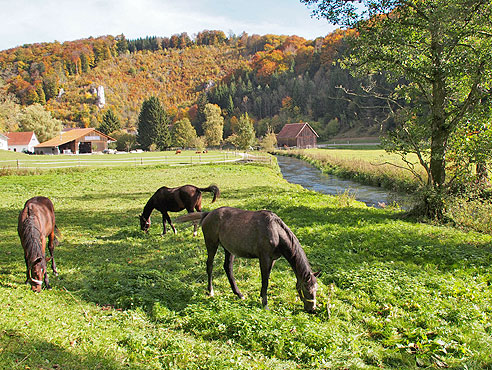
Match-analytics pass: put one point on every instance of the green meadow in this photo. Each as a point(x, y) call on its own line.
point(394, 293)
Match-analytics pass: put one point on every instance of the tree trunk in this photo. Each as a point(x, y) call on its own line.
point(440, 131)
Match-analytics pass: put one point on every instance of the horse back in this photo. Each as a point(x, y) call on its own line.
point(176, 199)
point(42, 212)
point(248, 234)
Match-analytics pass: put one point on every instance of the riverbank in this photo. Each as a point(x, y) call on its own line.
point(394, 293)
point(378, 168)
point(370, 167)
point(298, 171)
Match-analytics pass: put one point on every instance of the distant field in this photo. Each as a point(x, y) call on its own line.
point(11, 160)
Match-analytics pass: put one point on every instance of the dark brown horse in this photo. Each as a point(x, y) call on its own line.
point(166, 199)
point(255, 234)
point(36, 222)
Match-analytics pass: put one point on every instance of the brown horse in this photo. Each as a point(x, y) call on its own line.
point(166, 199)
point(36, 222)
point(255, 234)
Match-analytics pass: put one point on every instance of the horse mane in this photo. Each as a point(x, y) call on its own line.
point(31, 239)
point(292, 250)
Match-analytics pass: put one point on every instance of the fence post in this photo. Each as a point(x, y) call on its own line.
point(17, 164)
point(141, 161)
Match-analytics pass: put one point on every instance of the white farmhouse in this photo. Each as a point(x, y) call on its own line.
point(4, 142)
point(22, 141)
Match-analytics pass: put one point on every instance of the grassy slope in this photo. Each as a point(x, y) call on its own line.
point(394, 294)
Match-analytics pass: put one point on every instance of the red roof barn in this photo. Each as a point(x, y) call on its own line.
point(300, 135)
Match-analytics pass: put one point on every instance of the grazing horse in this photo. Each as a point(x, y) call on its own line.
point(255, 234)
point(36, 222)
point(166, 199)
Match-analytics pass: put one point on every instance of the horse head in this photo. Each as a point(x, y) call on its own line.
point(37, 272)
point(144, 223)
point(307, 291)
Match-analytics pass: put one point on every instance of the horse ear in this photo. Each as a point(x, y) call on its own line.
point(317, 274)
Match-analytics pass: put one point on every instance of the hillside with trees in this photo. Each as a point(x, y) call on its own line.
point(274, 79)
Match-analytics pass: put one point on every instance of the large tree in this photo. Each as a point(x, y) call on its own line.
point(153, 125)
point(438, 51)
point(245, 132)
point(36, 118)
point(213, 127)
point(184, 134)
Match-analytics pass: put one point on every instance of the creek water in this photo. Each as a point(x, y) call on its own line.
point(302, 173)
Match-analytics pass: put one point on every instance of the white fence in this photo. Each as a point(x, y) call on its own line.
point(113, 160)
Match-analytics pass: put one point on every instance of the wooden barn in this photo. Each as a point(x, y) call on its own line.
point(300, 135)
point(75, 141)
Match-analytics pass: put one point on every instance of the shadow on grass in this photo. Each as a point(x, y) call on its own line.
point(22, 352)
point(106, 259)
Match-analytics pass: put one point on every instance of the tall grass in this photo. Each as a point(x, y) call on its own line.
point(394, 293)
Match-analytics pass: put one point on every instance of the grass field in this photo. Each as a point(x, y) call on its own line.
point(394, 294)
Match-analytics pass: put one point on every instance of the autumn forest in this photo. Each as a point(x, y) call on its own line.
point(274, 79)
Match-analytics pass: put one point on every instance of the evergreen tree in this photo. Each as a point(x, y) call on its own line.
point(110, 123)
point(152, 125)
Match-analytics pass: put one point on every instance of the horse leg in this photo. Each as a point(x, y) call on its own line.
point(189, 208)
point(266, 265)
point(28, 275)
point(228, 261)
point(168, 219)
point(212, 246)
point(51, 247)
point(46, 280)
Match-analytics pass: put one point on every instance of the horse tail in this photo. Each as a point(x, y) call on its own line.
point(193, 216)
point(57, 235)
point(212, 189)
point(57, 231)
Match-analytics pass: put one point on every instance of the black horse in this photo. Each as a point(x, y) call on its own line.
point(255, 234)
point(166, 199)
point(36, 222)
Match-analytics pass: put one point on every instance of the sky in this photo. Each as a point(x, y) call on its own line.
point(32, 21)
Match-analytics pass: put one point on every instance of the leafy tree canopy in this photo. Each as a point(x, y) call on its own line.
point(437, 51)
point(245, 132)
point(184, 134)
point(214, 124)
point(36, 118)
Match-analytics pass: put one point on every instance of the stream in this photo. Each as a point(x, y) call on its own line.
point(300, 172)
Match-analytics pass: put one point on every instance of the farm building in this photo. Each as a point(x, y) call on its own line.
point(4, 142)
point(300, 135)
point(75, 141)
point(22, 142)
